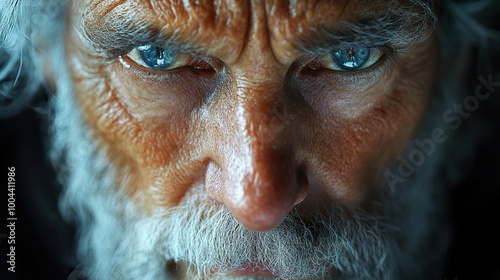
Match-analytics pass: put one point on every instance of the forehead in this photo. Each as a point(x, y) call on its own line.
point(236, 14)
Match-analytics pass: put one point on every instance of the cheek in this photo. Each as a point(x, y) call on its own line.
point(143, 126)
point(360, 129)
point(158, 100)
point(351, 155)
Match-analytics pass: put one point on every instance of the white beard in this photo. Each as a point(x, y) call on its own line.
point(118, 241)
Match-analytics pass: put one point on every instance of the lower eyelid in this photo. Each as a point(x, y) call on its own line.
point(139, 68)
point(362, 77)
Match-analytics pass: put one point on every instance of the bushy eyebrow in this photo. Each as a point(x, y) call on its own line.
point(117, 30)
point(398, 27)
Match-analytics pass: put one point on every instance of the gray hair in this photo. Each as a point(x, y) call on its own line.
point(27, 27)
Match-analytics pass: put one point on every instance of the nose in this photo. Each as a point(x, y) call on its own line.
point(254, 170)
point(259, 187)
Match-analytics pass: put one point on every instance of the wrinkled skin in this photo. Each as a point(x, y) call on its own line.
point(251, 120)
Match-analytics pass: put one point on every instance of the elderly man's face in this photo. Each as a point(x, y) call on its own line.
point(264, 106)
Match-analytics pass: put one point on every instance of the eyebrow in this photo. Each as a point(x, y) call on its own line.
point(113, 29)
point(397, 28)
point(119, 35)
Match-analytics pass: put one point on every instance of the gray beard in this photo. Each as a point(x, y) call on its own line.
point(117, 240)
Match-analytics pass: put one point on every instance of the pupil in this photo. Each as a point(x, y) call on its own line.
point(160, 53)
point(351, 58)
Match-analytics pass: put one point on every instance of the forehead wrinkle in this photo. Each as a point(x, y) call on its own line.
point(101, 8)
point(114, 11)
point(208, 14)
point(212, 24)
point(207, 27)
point(108, 26)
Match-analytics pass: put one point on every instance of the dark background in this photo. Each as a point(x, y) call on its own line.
point(44, 242)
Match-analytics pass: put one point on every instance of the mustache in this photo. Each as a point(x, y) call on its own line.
point(336, 243)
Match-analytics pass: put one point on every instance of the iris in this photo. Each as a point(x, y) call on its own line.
point(351, 58)
point(156, 57)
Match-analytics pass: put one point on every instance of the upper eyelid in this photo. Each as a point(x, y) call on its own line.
point(175, 52)
point(112, 48)
point(387, 49)
point(104, 41)
point(174, 47)
point(390, 51)
point(113, 51)
point(181, 60)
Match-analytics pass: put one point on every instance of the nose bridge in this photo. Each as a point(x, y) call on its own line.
point(257, 177)
point(258, 106)
point(260, 187)
point(259, 131)
point(257, 50)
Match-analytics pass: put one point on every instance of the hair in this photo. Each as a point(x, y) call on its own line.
point(26, 26)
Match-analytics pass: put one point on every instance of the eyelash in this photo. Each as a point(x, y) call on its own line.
point(383, 52)
point(387, 52)
point(195, 64)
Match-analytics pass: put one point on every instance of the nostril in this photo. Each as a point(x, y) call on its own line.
point(302, 185)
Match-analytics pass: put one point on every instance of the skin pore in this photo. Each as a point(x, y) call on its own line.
point(246, 115)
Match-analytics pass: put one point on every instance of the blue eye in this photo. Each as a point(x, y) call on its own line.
point(156, 57)
point(351, 58)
